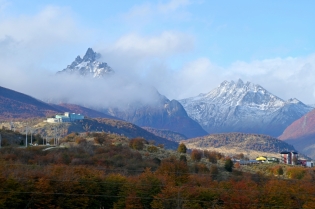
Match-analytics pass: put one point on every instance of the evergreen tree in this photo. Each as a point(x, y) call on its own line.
point(182, 148)
point(228, 165)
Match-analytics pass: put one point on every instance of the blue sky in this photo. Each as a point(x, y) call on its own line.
point(182, 47)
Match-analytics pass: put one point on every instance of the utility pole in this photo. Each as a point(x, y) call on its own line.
point(12, 126)
point(25, 136)
point(55, 136)
point(31, 131)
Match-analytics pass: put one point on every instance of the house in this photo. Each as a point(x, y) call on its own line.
point(261, 159)
point(309, 164)
point(289, 157)
point(272, 160)
point(67, 117)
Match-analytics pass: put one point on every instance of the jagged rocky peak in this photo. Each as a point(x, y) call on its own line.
point(90, 55)
point(294, 101)
point(239, 85)
point(89, 65)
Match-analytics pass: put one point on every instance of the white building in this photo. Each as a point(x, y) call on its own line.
point(67, 117)
point(309, 164)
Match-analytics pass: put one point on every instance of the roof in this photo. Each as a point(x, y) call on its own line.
point(261, 158)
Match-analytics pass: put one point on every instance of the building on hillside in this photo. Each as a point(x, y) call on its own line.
point(67, 117)
point(306, 163)
point(261, 159)
point(290, 158)
point(272, 160)
point(309, 164)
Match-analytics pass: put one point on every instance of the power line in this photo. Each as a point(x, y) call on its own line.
point(147, 198)
point(160, 185)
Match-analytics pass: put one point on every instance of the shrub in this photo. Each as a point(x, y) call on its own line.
point(152, 148)
point(161, 145)
point(211, 156)
point(214, 171)
point(296, 173)
point(79, 140)
point(277, 170)
point(183, 158)
point(137, 143)
point(202, 168)
point(237, 165)
point(196, 155)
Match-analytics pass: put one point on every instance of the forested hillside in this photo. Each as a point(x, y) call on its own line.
point(233, 143)
point(103, 170)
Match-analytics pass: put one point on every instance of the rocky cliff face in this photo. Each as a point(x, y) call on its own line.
point(163, 114)
point(88, 66)
point(243, 107)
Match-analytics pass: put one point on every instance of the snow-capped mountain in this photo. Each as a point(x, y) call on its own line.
point(88, 66)
point(243, 107)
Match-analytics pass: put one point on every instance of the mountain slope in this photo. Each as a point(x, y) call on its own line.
point(301, 134)
point(167, 134)
point(14, 104)
point(17, 105)
point(239, 107)
point(106, 125)
point(163, 114)
point(88, 66)
point(236, 143)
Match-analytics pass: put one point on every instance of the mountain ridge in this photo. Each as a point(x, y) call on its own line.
point(301, 134)
point(14, 104)
point(243, 107)
point(236, 143)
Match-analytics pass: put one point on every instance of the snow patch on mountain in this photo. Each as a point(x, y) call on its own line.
point(243, 107)
point(88, 66)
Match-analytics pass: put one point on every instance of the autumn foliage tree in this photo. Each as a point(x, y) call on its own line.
point(114, 176)
point(196, 155)
point(137, 143)
point(175, 171)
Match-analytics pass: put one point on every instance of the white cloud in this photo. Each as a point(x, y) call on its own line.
point(137, 56)
point(51, 22)
point(198, 76)
point(286, 78)
point(162, 45)
point(31, 38)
